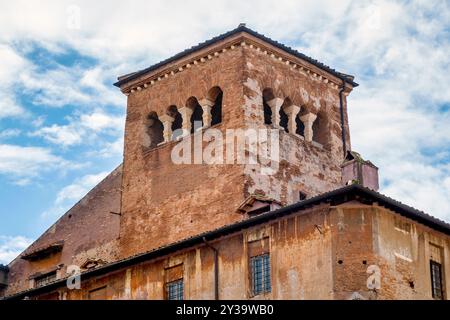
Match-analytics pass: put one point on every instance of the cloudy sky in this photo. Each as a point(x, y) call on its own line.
point(61, 120)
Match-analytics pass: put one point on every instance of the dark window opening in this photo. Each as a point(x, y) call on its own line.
point(284, 120)
point(177, 123)
point(174, 290)
point(155, 131)
point(260, 274)
point(302, 196)
point(196, 117)
point(300, 127)
point(259, 210)
point(267, 113)
point(44, 279)
point(320, 131)
point(216, 111)
point(436, 280)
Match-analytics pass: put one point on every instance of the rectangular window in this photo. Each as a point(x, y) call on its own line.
point(174, 290)
point(45, 279)
point(259, 265)
point(436, 280)
point(260, 274)
point(174, 286)
point(437, 271)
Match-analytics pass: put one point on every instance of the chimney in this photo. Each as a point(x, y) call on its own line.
point(356, 170)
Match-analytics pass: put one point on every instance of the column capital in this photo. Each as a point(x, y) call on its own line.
point(308, 120)
point(185, 110)
point(292, 109)
point(166, 118)
point(167, 124)
point(206, 103)
point(275, 105)
point(186, 114)
point(309, 117)
point(275, 102)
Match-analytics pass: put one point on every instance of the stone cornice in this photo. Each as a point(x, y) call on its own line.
point(239, 41)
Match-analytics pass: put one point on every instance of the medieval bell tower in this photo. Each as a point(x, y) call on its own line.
point(239, 80)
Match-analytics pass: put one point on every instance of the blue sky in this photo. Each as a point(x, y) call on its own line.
point(61, 119)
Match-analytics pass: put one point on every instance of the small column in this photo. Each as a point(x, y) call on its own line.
point(206, 106)
point(167, 123)
point(275, 105)
point(292, 112)
point(186, 114)
point(308, 120)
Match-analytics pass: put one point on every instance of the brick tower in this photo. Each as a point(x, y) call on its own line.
point(239, 80)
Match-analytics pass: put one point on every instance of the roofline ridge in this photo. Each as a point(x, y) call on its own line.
point(241, 28)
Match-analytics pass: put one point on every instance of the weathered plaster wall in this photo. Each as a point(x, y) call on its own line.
point(304, 166)
point(365, 236)
point(320, 253)
point(403, 250)
point(352, 249)
point(300, 250)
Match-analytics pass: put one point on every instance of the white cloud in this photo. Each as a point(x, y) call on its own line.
point(54, 87)
point(65, 135)
point(99, 121)
point(72, 193)
point(80, 187)
point(9, 133)
point(11, 247)
point(109, 149)
point(23, 163)
point(86, 125)
point(61, 86)
point(12, 64)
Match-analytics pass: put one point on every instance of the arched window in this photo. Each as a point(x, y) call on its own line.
point(154, 131)
point(320, 129)
point(284, 119)
point(177, 122)
point(267, 96)
point(300, 126)
point(215, 94)
point(197, 113)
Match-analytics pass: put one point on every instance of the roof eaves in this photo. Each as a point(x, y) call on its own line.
point(241, 28)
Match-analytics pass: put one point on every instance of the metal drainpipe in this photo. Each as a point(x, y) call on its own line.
point(341, 105)
point(216, 268)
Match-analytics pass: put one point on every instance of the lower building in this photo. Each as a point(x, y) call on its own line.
point(351, 243)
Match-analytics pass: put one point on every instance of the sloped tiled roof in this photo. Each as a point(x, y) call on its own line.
point(241, 28)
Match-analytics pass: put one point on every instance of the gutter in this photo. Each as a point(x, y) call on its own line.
point(216, 268)
point(341, 107)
